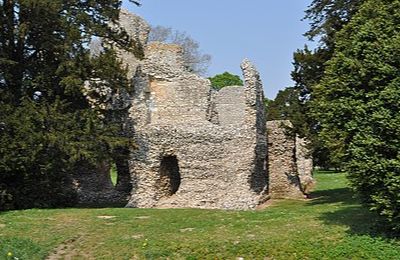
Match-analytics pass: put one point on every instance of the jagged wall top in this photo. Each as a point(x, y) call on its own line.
point(138, 30)
point(136, 27)
point(254, 95)
point(174, 95)
point(164, 61)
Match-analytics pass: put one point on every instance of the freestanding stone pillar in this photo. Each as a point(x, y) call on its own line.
point(283, 178)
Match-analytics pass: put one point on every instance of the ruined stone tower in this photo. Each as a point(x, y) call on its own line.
point(198, 147)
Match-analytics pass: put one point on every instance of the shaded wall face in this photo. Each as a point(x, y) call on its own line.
point(169, 179)
point(94, 187)
point(282, 171)
point(304, 163)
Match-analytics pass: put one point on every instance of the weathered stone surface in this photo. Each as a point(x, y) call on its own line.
point(283, 178)
point(94, 187)
point(304, 163)
point(196, 146)
point(138, 30)
point(164, 61)
point(220, 160)
point(230, 106)
point(212, 175)
point(136, 27)
point(255, 118)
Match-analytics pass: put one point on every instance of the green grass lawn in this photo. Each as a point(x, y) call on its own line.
point(332, 225)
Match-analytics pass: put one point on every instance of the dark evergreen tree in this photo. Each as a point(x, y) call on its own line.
point(286, 106)
point(357, 105)
point(46, 123)
point(327, 18)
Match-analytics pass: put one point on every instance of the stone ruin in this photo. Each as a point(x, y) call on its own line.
point(196, 147)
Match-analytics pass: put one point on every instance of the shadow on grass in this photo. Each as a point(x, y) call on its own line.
point(99, 206)
point(343, 195)
point(329, 171)
point(77, 206)
point(350, 213)
point(359, 220)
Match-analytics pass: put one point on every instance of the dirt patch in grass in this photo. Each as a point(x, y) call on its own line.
point(106, 217)
point(68, 250)
point(142, 217)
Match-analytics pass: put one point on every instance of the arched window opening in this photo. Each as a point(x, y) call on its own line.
point(170, 178)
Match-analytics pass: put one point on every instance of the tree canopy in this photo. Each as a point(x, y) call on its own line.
point(225, 79)
point(357, 105)
point(327, 18)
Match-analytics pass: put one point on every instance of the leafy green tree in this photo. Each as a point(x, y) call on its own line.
point(308, 69)
point(326, 17)
point(46, 123)
point(357, 105)
point(225, 79)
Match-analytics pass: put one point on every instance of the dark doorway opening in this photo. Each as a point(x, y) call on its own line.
point(120, 173)
point(123, 181)
point(170, 178)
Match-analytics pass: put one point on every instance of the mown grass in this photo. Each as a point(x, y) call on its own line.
point(332, 225)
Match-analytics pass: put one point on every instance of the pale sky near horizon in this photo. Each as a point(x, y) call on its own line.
point(265, 31)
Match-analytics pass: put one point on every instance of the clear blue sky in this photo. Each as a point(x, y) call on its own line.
point(265, 31)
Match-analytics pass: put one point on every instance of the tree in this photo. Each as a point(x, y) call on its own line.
point(309, 68)
point(284, 106)
point(225, 79)
point(327, 18)
point(267, 102)
point(46, 122)
point(288, 106)
point(357, 105)
point(194, 60)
